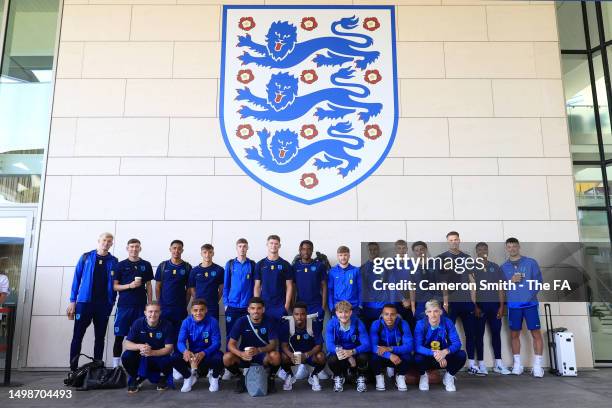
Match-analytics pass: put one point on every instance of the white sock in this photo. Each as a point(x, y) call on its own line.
point(482, 364)
point(499, 362)
point(116, 361)
point(537, 361)
point(472, 363)
point(194, 371)
point(517, 359)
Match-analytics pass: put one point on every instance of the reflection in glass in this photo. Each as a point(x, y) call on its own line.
point(589, 185)
point(26, 86)
point(569, 17)
point(593, 226)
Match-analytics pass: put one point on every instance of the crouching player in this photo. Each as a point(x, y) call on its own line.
point(301, 343)
point(391, 347)
point(437, 345)
point(258, 344)
point(150, 338)
point(348, 346)
point(199, 342)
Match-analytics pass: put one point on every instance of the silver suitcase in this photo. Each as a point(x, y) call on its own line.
point(566, 354)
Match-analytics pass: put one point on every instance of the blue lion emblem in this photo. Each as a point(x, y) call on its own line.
point(282, 153)
point(205, 335)
point(282, 50)
point(306, 336)
point(158, 335)
point(228, 318)
point(263, 330)
point(283, 104)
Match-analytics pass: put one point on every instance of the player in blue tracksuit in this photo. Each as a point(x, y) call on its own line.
point(148, 350)
point(311, 282)
point(344, 283)
point(523, 304)
point(301, 346)
point(427, 273)
point(462, 302)
point(92, 297)
point(238, 283)
point(372, 300)
point(199, 342)
point(171, 278)
point(132, 280)
point(254, 339)
point(274, 281)
point(490, 311)
point(392, 346)
point(437, 345)
point(348, 346)
point(206, 281)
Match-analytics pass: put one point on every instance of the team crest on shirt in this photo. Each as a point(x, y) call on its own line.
point(213, 273)
point(158, 335)
point(205, 335)
point(308, 101)
point(306, 336)
point(353, 337)
point(182, 272)
point(263, 330)
point(142, 268)
point(228, 318)
point(313, 268)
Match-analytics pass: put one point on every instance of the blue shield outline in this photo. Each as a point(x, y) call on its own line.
point(228, 145)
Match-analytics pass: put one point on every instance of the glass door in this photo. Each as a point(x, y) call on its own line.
point(15, 254)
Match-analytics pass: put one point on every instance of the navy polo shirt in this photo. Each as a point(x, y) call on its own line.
point(174, 283)
point(273, 275)
point(301, 340)
point(157, 337)
point(125, 273)
point(308, 278)
point(242, 331)
point(206, 281)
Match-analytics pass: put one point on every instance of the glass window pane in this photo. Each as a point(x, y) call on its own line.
point(602, 102)
point(606, 10)
point(571, 29)
point(589, 185)
point(579, 107)
point(26, 87)
point(593, 226)
point(592, 22)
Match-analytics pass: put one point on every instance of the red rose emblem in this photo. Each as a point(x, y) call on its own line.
point(372, 132)
point(246, 23)
point(245, 76)
point(309, 23)
point(244, 131)
point(309, 180)
point(309, 76)
point(309, 131)
point(372, 76)
point(371, 23)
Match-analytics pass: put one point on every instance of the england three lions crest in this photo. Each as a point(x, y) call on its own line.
point(308, 99)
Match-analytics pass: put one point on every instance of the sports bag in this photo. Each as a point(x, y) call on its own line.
point(76, 377)
point(256, 380)
point(102, 378)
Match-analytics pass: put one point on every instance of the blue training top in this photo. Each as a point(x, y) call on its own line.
point(83, 280)
point(356, 337)
point(522, 296)
point(400, 341)
point(238, 282)
point(344, 284)
point(427, 339)
point(199, 336)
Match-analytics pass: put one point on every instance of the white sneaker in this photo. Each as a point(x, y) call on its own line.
point(314, 381)
point(188, 383)
point(449, 382)
point(116, 362)
point(302, 372)
point(361, 384)
point(338, 384)
point(227, 375)
point(288, 384)
point(176, 375)
point(282, 374)
point(517, 370)
point(380, 382)
point(473, 370)
point(537, 372)
point(400, 382)
point(214, 384)
point(390, 372)
point(482, 370)
point(424, 383)
point(500, 369)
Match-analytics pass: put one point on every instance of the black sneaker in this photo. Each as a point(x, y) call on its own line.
point(162, 384)
point(135, 386)
point(271, 385)
point(240, 385)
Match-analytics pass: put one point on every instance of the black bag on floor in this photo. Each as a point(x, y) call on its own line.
point(76, 377)
point(102, 378)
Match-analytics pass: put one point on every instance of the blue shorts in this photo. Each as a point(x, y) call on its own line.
point(530, 314)
point(125, 316)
